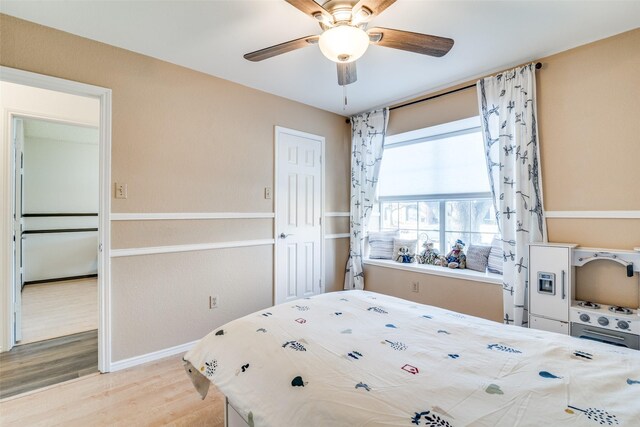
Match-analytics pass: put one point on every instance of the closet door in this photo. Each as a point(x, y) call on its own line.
point(298, 216)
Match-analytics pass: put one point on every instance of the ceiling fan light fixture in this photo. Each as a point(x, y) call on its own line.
point(343, 43)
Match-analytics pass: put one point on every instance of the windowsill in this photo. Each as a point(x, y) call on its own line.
point(464, 274)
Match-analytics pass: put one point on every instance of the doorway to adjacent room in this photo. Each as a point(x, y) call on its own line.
point(56, 198)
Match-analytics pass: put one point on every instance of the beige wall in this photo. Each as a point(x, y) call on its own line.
point(465, 296)
point(184, 141)
point(589, 110)
point(444, 109)
point(162, 300)
point(589, 124)
point(335, 262)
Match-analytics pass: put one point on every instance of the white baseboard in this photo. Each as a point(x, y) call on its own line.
point(151, 357)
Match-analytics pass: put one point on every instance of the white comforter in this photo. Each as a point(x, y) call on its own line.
point(357, 358)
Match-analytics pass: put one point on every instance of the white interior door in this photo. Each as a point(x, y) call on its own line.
point(298, 270)
point(18, 138)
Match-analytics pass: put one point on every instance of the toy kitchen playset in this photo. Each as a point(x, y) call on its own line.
point(552, 295)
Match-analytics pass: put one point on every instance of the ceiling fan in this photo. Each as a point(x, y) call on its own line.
point(345, 36)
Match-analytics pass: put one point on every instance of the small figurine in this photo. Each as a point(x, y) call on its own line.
point(404, 256)
point(456, 258)
point(429, 255)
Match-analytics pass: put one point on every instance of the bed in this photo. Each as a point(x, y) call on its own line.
point(357, 358)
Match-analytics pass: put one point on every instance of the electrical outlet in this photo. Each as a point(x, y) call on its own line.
point(213, 302)
point(267, 192)
point(415, 286)
point(121, 191)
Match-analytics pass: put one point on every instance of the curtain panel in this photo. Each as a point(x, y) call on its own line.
point(367, 143)
point(507, 104)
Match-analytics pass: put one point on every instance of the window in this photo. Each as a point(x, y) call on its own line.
point(433, 184)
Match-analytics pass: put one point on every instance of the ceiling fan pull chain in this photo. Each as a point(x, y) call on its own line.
point(344, 95)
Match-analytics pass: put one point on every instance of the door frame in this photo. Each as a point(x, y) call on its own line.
point(277, 131)
point(41, 81)
point(16, 197)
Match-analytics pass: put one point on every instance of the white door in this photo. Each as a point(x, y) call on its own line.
point(298, 270)
point(18, 140)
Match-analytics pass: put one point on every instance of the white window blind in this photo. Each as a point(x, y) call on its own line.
point(452, 163)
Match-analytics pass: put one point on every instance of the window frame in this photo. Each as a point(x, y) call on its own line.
point(433, 133)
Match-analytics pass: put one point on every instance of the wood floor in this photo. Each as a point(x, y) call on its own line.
point(59, 308)
point(157, 393)
point(36, 365)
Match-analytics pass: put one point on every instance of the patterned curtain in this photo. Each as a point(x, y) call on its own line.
point(509, 124)
point(367, 144)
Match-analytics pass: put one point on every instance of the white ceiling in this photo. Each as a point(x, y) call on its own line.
point(212, 35)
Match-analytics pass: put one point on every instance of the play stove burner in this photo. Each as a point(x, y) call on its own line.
point(620, 310)
point(589, 304)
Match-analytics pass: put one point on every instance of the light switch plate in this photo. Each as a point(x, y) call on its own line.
point(267, 192)
point(121, 191)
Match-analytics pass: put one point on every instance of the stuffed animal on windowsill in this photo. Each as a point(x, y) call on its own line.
point(404, 256)
point(429, 255)
point(456, 257)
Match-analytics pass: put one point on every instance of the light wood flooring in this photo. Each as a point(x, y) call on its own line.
point(36, 365)
point(57, 309)
point(153, 394)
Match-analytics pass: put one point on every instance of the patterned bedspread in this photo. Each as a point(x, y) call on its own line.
point(357, 358)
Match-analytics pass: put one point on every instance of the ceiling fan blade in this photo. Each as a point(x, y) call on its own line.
point(347, 73)
point(375, 6)
point(281, 48)
point(311, 8)
point(424, 44)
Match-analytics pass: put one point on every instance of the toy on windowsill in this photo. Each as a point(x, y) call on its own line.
point(429, 255)
point(404, 256)
point(456, 258)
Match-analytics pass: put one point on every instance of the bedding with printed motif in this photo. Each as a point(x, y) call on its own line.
point(358, 358)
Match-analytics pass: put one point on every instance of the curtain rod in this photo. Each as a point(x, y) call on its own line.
point(538, 66)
